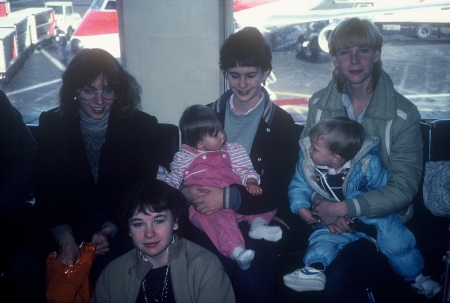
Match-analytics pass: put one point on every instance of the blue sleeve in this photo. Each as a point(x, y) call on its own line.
point(299, 190)
point(376, 174)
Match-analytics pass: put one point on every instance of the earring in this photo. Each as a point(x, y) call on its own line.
point(75, 98)
point(129, 234)
point(173, 239)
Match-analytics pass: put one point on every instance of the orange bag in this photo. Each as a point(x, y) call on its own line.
point(70, 284)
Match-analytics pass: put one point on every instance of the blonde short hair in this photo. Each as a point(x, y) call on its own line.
point(355, 32)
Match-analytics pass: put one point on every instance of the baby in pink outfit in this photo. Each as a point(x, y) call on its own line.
point(208, 159)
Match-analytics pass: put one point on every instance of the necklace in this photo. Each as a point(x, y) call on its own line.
point(164, 291)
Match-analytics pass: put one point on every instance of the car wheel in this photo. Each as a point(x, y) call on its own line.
point(300, 48)
point(69, 32)
point(423, 31)
point(6, 78)
point(314, 46)
point(75, 46)
point(308, 48)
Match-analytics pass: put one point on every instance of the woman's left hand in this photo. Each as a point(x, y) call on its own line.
point(341, 226)
point(329, 212)
point(100, 239)
point(211, 202)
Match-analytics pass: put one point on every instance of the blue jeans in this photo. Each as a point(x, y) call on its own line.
point(394, 240)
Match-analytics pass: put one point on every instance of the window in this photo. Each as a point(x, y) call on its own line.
point(111, 5)
point(57, 9)
point(415, 53)
point(97, 4)
point(32, 79)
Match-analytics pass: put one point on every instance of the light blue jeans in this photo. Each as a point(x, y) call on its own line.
point(394, 240)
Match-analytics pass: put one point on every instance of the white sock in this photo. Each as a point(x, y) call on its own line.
point(243, 257)
point(260, 230)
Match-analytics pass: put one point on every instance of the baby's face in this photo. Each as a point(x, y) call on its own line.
point(212, 142)
point(319, 153)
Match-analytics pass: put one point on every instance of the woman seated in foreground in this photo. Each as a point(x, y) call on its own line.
point(163, 267)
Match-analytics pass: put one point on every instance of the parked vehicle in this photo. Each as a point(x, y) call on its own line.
point(65, 17)
point(8, 53)
point(422, 22)
point(98, 29)
point(19, 23)
point(40, 25)
point(20, 33)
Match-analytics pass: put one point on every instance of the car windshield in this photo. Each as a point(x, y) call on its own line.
point(57, 9)
point(97, 4)
point(110, 5)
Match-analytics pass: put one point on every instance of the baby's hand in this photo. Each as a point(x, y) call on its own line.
point(254, 189)
point(307, 216)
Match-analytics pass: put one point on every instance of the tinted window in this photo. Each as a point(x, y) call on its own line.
point(111, 5)
point(97, 4)
point(415, 52)
point(416, 58)
point(57, 9)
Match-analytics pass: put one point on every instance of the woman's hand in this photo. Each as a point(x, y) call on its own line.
point(193, 192)
point(68, 252)
point(100, 239)
point(209, 198)
point(329, 212)
point(341, 226)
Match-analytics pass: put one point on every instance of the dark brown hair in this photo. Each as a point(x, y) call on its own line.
point(198, 121)
point(342, 136)
point(155, 196)
point(246, 48)
point(85, 68)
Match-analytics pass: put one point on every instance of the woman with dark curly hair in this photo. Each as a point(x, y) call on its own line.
point(91, 149)
point(89, 66)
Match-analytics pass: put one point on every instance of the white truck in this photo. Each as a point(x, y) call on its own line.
point(40, 23)
point(66, 18)
point(20, 33)
point(8, 55)
point(422, 20)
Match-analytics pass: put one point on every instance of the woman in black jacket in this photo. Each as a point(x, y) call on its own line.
point(91, 150)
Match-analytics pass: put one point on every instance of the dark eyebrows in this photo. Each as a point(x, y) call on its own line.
point(250, 74)
point(134, 219)
point(159, 216)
